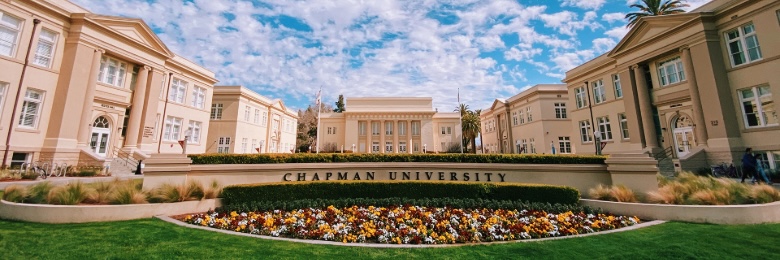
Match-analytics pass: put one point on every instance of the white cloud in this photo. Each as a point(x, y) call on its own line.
point(601, 45)
point(520, 55)
point(613, 17)
point(566, 22)
point(617, 32)
point(584, 4)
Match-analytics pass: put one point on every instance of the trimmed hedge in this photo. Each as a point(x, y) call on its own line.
point(378, 157)
point(435, 202)
point(333, 190)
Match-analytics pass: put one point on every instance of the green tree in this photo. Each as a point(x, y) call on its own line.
point(307, 126)
point(655, 8)
point(470, 126)
point(339, 105)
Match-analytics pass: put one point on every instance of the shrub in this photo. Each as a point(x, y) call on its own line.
point(103, 191)
point(688, 188)
point(710, 197)
point(28, 175)
point(622, 193)
point(70, 194)
point(670, 193)
point(283, 192)
point(38, 192)
point(601, 192)
point(15, 193)
point(212, 191)
point(128, 194)
point(177, 193)
point(764, 194)
point(376, 157)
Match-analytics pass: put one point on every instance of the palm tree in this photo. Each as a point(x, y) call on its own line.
point(654, 8)
point(471, 129)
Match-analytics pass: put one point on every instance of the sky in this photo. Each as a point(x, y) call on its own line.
point(289, 49)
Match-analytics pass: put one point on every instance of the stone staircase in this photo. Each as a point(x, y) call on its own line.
point(665, 160)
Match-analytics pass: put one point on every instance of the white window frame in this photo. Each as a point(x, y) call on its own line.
point(257, 116)
point(599, 95)
point(375, 128)
point(402, 128)
point(216, 111)
point(47, 45)
point(514, 118)
point(13, 29)
point(116, 77)
point(178, 90)
point(172, 129)
point(265, 119)
point(30, 113)
point(375, 147)
point(247, 110)
point(362, 128)
point(585, 130)
point(402, 147)
point(415, 127)
point(741, 40)
point(533, 147)
point(564, 145)
point(618, 87)
point(198, 97)
point(194, 129)
point(670, 67)
point(388, 147)
point(623, 125)
point(223, 146)
point(530, 115)
point(521, 115)
point(560, 110)
point(254, 146)
point(389, 128)
point(3, 88)
point(244, 142)
point(605, 128)
point(755, 101)
point(580, 97)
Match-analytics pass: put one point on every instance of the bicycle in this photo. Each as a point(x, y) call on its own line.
point(724, 170)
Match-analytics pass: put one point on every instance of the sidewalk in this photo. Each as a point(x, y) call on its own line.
point(63, 180)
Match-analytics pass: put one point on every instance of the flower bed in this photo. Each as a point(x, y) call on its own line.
point(410, 224)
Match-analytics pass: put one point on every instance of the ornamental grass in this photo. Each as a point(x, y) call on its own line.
point(410, 224)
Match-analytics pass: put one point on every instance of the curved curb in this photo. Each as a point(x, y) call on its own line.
point(715, 214)
point(60, 214)
point(377, 245)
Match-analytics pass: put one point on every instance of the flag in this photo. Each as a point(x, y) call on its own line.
point(319, 94)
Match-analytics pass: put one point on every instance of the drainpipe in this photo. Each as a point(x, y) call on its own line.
point(165, 109)
point(592, 122)
point(18, 93)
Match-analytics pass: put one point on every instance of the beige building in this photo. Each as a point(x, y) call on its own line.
point(243, 121)
point(93, 85)
point(534, 121)
point(696, 86)
point(390, 125)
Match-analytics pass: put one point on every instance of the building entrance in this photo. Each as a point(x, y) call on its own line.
point(101, 132)
point(683, 135)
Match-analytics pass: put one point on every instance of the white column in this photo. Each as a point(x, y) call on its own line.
point(645, 108)
point(700, 129)
point(136, 110)
point(85, 124)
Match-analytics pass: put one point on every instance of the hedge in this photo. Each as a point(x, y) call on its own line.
point(378, 157)
point(335, 190)
point(385, 202)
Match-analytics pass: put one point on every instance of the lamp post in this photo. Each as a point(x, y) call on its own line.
point(597, 138)
point(353, 148)
point(425, 148)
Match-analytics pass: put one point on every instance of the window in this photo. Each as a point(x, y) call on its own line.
point(523, 146)
point(580, 97)
point(216, 111)
point(374, 128)
point(401, 128)
point(415, 147)
point(605, 129)
point(416, 128)
point(45, 50)
point(112, 72)
point(178, 88)
point(522, 116)
point(334, 130)
point(3, 87)
point(265, 119)
point(31, 108)
point(243, 145)
point(623, 125)
point(389, 147)
point(560, 110)
point(585, 131)
point(9, 34)
point(375, 147)
point(671, 71)
point(388, 128)
point(331, 130)
point(172, 128)
point(254, 145)
point(223, 146)
point(402, 147)
point(446, 130)
point(740, 38)
point(530, 116)
point(599, 96)
point(618, 87)
point(194, 132)
point(198, 97)
point(514, 118)
point(156, 127)
point(758, 108)
point(246, 113)
point(362, 128)
point(533, 147)
point(564, 144)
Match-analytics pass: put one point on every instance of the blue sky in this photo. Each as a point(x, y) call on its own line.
point(431, 48)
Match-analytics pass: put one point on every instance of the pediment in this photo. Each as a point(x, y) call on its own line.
point(649, 28)
point(133, 29)
point(498, 103)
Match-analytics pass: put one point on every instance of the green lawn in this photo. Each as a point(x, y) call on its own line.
point(152, 238)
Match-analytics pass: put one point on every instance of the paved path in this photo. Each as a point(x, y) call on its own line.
point(63, 180)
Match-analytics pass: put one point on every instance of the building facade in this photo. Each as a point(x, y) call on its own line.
point(93, 86)
point(535, 121)
point(390, 125)
point(699, 86)
point(243, 121)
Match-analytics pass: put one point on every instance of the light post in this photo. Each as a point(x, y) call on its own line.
point(425, 148)
point(353, 148)
point(517, 146)
point(597, 138)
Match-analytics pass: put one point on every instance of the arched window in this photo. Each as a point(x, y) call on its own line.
point(100, 122)
point(683, 121)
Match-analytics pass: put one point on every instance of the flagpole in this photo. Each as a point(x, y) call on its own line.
point(460, 112)
point(319, 110)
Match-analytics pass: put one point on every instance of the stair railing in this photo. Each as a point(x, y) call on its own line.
point(124, 158)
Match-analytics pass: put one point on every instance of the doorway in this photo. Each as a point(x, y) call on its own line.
point(101, 132)
point(683, 135)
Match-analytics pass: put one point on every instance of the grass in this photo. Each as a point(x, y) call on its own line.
point(155, 239)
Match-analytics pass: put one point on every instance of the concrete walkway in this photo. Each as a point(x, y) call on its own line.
point(64, 180)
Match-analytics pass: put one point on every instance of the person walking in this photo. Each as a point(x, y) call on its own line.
point(761, 171)
point(748, 164)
